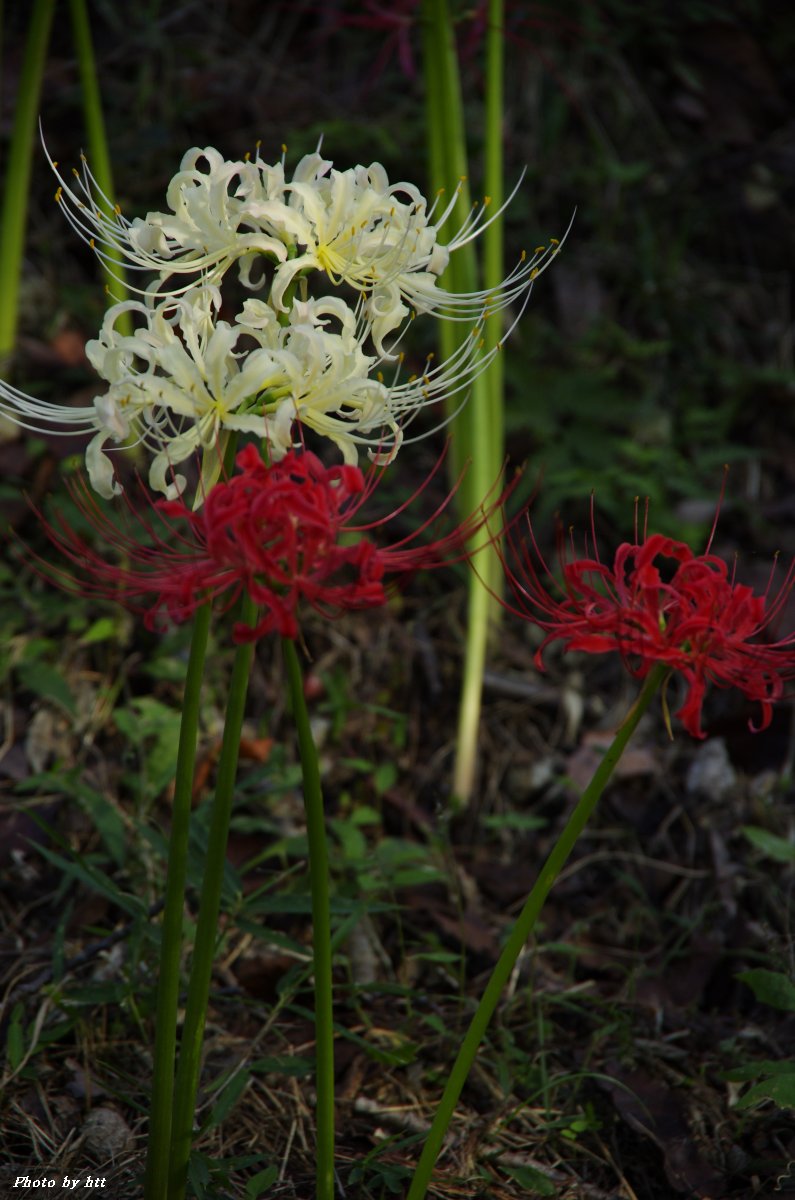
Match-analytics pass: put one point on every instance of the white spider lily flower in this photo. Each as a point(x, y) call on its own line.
point(178, 384)
point(379, 238)
point(207, 230)
point(182, 382)
point(29, 412)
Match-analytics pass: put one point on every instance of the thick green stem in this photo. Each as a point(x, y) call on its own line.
point(521, 932)
point(321, 927)
point(17, 173)
point(171, 933)
point(469, 707)
point(493, 249)
point(189, 1064)
point(477, 430)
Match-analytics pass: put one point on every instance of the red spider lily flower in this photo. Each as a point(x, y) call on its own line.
point(661, 603)
point(282, 532)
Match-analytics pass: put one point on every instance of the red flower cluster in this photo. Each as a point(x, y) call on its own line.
point(661, 603)
point(282, 533)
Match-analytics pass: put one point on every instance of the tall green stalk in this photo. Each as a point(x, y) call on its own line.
point(171, 933)
point(493, 239)
point(477, 431)
point(189, 1063)
point(321, 928)
point(98, 153)
point(13, 216)
point(521, 932)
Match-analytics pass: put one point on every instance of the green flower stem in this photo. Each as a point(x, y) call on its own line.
point(189, 1063)
point(321, 927)
point(99, 154)
point(171, 934)
point(521, 932)
point(17, 173)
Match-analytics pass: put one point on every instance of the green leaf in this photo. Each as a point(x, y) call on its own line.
point(84, 872)
point(104, 816)
point(102, 630)
point(47, 683)
point(384, 777)
point(770, 844)
point(365, 814)
point(780, 1089)
point(228, 1099)
point(520, 821)
point(771, 987)
point(263, 1179)
point(753, 1070)
point(536, 1183)
point(284, 1064)
point(15, 1041)
point(351, 839)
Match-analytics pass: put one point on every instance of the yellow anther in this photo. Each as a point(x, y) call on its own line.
point(380, 376)
point(258, 143)
point(412, 378)
point(247, 156)
point(486, 201)
point(539, 250)
point(284, 147)
point(117, 210)
point(534, 272)
point(523, 256)
point(83, 158)
point(75, 172)
point(58, 195)
point(554, 242)
point(54, 166)
point(92, 243)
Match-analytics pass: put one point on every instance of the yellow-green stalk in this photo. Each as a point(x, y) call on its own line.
point(98, 153)
point(17, 175)
point(477, 431)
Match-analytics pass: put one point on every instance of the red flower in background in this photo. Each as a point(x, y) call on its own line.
point(661, 603)
point(282, 532)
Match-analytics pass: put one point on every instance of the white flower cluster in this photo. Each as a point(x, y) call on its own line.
point(185, 379)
